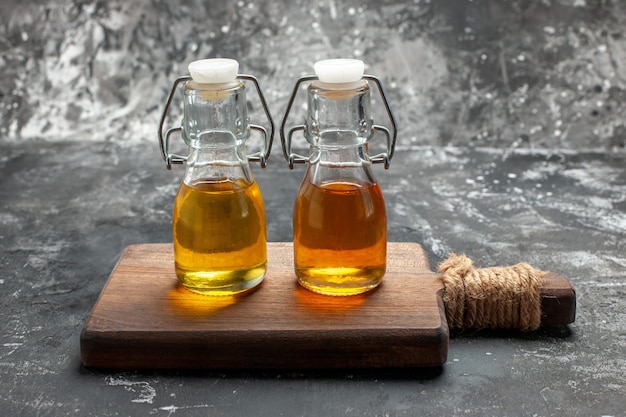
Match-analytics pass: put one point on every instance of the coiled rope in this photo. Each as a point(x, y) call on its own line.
point(494, 298)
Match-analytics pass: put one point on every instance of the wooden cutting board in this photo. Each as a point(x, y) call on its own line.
point(143, 319)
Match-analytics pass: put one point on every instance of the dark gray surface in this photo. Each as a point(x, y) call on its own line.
point(69, 209)
point(511, 148)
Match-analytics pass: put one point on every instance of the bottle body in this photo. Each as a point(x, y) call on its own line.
point(340, 236)
point(218, 228)
point(339, 221)
point(218, 219)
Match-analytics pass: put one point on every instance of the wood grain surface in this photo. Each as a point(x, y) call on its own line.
point(144, 319)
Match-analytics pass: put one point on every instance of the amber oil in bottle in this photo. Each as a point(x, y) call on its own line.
point(219, 236)
point(218, 219)
point(340, 237)
point(339, 222)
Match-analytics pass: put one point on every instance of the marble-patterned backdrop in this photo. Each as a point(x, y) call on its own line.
point(501, 73)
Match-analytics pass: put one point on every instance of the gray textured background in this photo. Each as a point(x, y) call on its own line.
point(516, 73)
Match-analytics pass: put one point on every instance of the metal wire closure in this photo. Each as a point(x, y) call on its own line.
point(261, 156)
point(164, 138)
point(164, 141)
point(381, 158)
point(286, 142)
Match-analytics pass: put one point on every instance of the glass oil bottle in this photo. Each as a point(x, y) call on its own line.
point(339, 220)
point(218, 220)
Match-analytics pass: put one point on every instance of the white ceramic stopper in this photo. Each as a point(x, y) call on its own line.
point(339, 70)
point(214, 70)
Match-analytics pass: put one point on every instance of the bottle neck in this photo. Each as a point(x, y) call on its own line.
point(338, 127)
point(217, 164)
point(215, 114)
point(338, 156)
point(338, 115)
point(349, 164)
point(215, 126)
